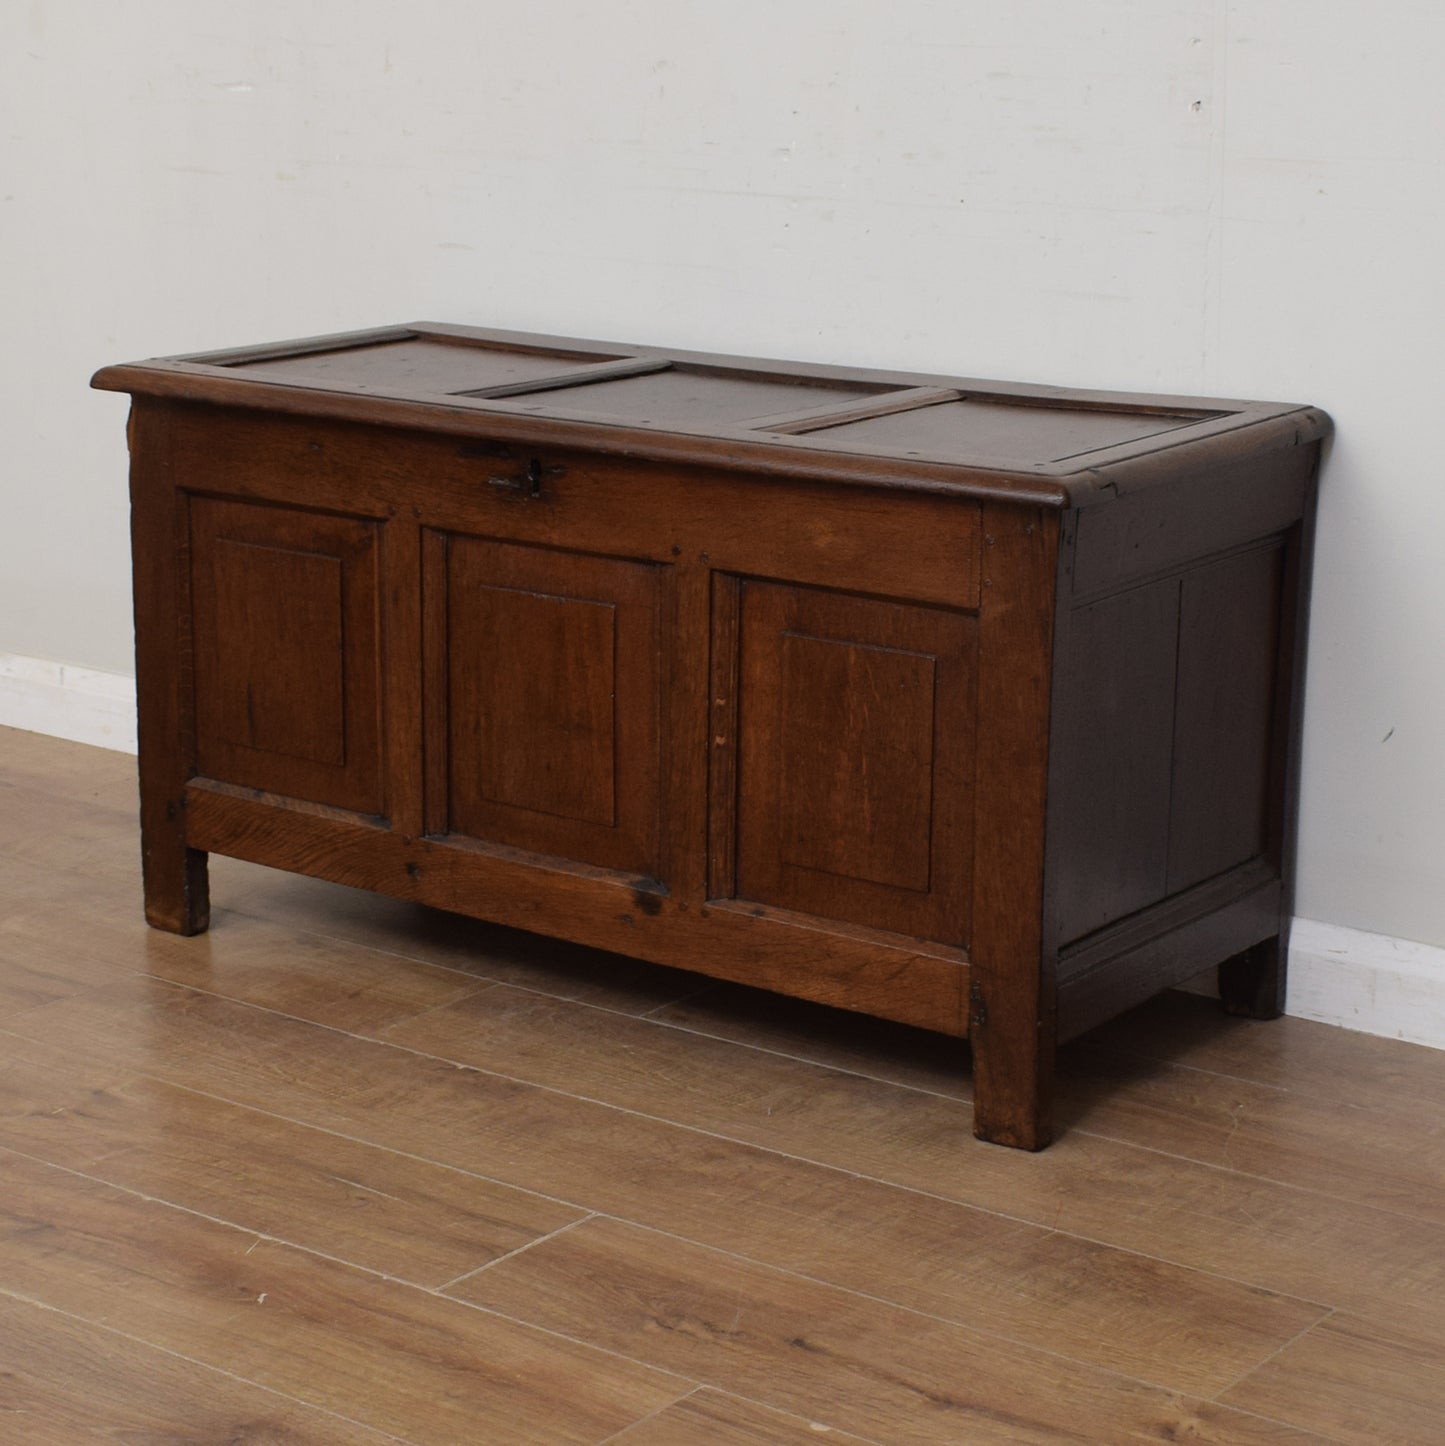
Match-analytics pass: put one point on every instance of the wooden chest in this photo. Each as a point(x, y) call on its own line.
point(966, 704)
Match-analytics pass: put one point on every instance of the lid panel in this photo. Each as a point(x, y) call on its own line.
point(419, 364)
point(1026, 433)
point(698, 397)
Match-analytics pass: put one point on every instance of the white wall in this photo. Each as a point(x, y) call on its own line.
point(1243, 197)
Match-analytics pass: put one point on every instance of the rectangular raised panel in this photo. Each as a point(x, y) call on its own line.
point(856, 742)
point(1228, 669)
point(270, 593)
point(1113, 745)
point(1165, 738)
point(551, 721)
point(541, 734)
point(854, 750)
point(286, 652)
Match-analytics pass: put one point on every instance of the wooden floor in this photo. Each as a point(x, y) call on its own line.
point(347, 1170)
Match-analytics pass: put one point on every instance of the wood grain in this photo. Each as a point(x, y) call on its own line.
point(174, 873)
point(64, 1380)
point(280, 967)
point(1012, 993)
point(1298, 1055)
point(817, 1351)
point(1337, 1148)
point(797, 953)
point(1364, 1382)
point(935, 1255)
point(389, 1212)
point(1236, 1208)
point(391, 1357)
point(485, 951)
point(711, 1418)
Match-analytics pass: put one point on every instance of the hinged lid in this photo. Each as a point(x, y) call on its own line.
point(1041, 444)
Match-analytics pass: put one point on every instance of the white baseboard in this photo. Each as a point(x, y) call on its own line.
point(82, 704)
point(1369, 982)
point(1373, 983)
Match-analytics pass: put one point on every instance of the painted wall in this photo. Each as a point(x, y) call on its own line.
point(1243, 197)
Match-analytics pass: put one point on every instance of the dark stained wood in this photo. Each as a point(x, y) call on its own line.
point(1012, 988)
point(413, 363)
point(882, 404)
point(827, 960)
point(684, 669)
point(432, 580)
point(403, 744)
point(700, 395)
point(1162, 527)
point(974, 426)
point(1126, 963)
point(173, 871)
point(552, 701)
point(287, 652)
point(914, 696)
point(722, 817)
point(688, 437)
point(1252, 983)
point(920, 547)
point(1228, 661)
point(855, 759)
point(1112, 751)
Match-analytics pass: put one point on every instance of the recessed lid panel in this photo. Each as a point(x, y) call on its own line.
point(1020, 433)
point(699, 397)
point(418, 364)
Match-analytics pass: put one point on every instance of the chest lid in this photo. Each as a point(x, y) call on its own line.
point(922, 429)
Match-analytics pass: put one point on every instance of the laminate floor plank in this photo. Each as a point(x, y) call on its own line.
point(1374, 1135)
point(64, 1381)
point(1390, 1159)
point(1114, 1308)
point(339, 983)
point(60, 833)
point(710, 1418)
point(388, 1355)
point(819, 1352)
point(1235, 1209)
point(34, 971)
point(388, 1212)
point(99, 777)
point(1140, 1199)
point(1301, 1055)
point(1365, 1383)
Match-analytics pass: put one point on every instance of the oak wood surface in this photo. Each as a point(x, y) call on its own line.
point(995, 460)
point(467, 667)
point(768, 1215)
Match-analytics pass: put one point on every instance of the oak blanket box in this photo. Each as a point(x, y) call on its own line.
point(967, 704)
